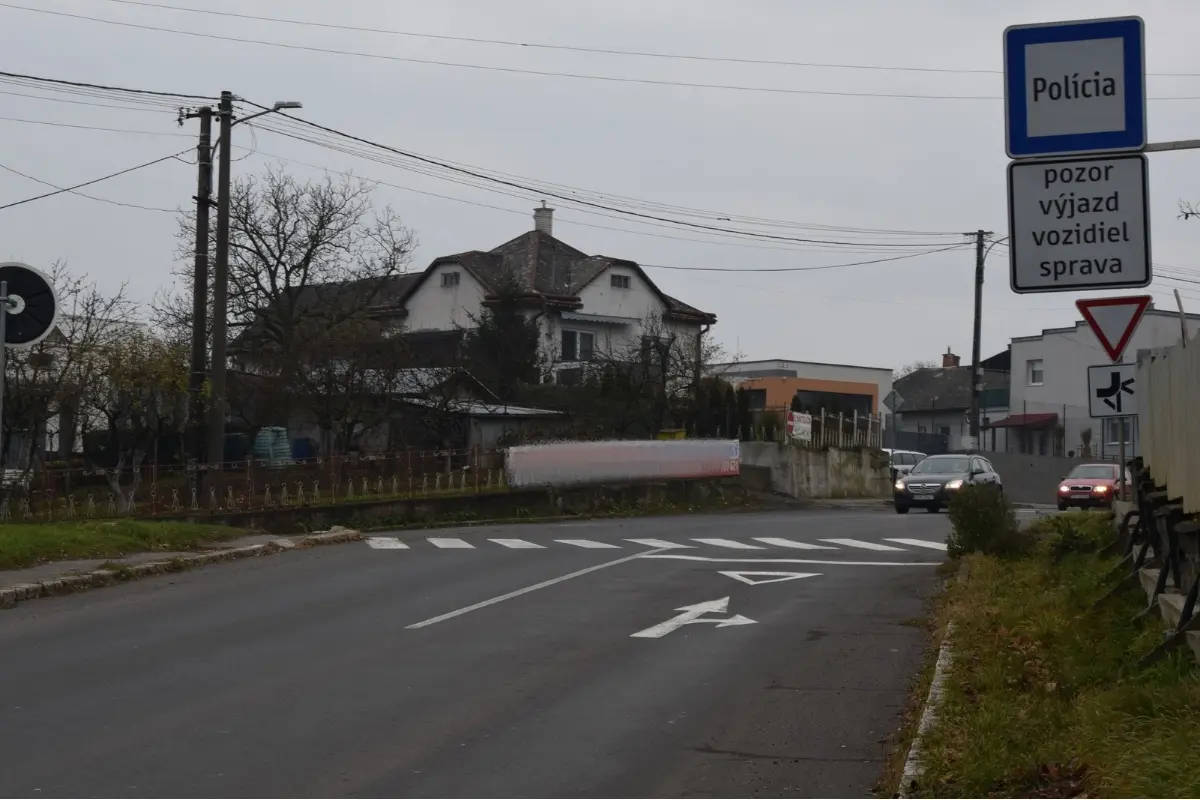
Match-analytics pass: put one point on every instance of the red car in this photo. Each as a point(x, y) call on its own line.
point(1089, 486)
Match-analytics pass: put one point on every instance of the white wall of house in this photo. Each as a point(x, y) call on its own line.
point(435, 306)
point(1049, 375)
point(632, 298)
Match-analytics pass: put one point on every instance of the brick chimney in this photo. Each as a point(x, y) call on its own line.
point(543, 219)
point(950, 360)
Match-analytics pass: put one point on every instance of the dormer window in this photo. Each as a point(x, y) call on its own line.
point(450, 279)
point(621, 281)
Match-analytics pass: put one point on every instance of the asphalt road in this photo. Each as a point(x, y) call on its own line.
point(505, 665)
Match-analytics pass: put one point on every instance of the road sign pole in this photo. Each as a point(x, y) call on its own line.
point(1121, 459)
point(3, 365)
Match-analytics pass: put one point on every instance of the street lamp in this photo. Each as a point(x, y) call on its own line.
point(216, 406)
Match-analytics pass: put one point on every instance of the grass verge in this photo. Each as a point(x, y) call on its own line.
point(1045, 697)
point(25, 545)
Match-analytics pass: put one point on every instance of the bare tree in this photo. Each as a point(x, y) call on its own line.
point(311, 264)
point(909, 369)
point(652, 381)
point(1189, 210)
point(140, 395)
point(298, 252)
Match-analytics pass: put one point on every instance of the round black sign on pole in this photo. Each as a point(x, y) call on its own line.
point(32, 306)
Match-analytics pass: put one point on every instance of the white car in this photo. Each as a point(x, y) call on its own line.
point(901, 462)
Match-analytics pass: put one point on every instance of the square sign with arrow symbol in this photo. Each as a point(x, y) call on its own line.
point(1112, 390)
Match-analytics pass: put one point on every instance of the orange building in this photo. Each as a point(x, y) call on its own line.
point(836, 388)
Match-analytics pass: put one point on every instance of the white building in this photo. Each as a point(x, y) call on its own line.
point(1048, 390)
point(584, 305)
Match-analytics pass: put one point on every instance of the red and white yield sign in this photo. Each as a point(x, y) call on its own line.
point(1113, 320)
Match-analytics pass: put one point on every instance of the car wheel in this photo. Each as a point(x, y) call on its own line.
point(901, 509)
point(1062, 506)
point(933, 509)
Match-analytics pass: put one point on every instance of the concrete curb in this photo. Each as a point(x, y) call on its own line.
point(933, 701)
point(65, 584)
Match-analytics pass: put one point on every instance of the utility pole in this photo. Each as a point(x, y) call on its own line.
point(200, 284)
point(976, 380)
point(220, 291)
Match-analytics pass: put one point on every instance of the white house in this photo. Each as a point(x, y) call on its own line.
point(1048, 390)
point(584, 305)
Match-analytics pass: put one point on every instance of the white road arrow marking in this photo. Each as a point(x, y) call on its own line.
point(770, 577)
point(692, 615)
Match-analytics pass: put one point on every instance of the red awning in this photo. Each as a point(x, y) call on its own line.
point(1025, 421)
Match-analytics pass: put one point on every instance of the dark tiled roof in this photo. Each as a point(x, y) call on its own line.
point(943, 388)
point(547, 266)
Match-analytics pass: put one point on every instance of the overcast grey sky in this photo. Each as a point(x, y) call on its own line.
point(934, 165)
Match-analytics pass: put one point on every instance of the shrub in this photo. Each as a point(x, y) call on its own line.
point(1073, 532)
point(982, 521)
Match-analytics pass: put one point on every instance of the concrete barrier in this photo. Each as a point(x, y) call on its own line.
point(807, 473)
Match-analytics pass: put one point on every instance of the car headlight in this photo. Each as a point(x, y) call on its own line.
point(1064, 489)
point(1100, 489)
point(899, 486)
point(957, 484)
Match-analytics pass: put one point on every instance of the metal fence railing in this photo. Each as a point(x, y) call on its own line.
point(154, 490)
point(818, 430)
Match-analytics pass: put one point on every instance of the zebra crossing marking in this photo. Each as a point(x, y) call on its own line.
point(730, 543)
point(657, 543)
point(518, 544)
point(920, 543)
point(777, 542)
point(451, 544)
point(864, 545)
point(588, 543)
point(386, 543)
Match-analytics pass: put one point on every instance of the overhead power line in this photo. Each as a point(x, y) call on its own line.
point(579, 48)
point(93, 127)
point(82, 85)
point(514, 70)
point(588, 203)
point(81, 194)
point(805, 269)
point(125, 171)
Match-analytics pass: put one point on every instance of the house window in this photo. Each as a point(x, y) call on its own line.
point(1035, 371)
point(758, 399)
point(450, 279)
point(577, 346)
point(944, 430)
point(621, 282)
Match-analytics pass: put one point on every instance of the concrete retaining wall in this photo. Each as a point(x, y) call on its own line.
point(805, 473)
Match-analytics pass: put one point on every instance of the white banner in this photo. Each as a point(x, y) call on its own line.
point(567, 463)
point(800, 426)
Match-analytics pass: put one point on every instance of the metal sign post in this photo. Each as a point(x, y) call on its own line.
point(3, 365)
point(28, 312)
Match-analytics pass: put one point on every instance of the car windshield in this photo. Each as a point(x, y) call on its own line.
point(1093, 471)
point(940, 464)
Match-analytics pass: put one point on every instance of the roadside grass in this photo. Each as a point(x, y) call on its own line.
point(1045, 697)
point(25, 545)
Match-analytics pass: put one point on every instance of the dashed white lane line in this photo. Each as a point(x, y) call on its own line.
point(864, 545)
point(386, 543)
point(920, 543)
point(518, 544)
point(775, 542)
point(658, 543)
point(588, 543)
point(730, 543)
point(451, 544)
